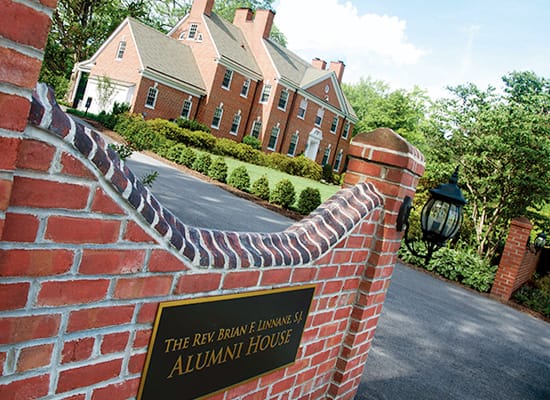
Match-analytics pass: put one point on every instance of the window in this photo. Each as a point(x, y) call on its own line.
point(186, 110)
point(121, 49)
point(256, 128)
point(273, 138)
point(265, 93)
point(216, 120)
point(302, 109)
point(346, 130)
point(319, 117)
point(338, 160)
point(235, 124)
point(334, 125)
point(245, 88)
point(151, 97)
point(326, 155)
point(293, 143)
point(226, 84)
point(192, 31)
point(283, 100)
point(181, 36)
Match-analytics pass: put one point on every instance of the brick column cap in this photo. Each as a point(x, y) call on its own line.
point(375, 146)
point(522, 222)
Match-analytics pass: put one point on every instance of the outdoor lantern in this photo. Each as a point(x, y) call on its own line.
point(540, 241)
point(440, 218)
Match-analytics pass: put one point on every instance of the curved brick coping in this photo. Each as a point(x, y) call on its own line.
point(301, 243)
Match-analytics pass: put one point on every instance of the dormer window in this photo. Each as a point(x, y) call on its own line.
point(121, 49)
point(192, 31)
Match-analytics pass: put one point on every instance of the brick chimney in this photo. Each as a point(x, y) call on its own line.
point(259, 23)
point(200, 7)
point(338, 68)
point(319, 64)
point(242, 15)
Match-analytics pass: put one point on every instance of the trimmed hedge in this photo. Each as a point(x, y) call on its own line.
point(283, 194)
point(240, 179)
point(260, 188)
point(309, 200)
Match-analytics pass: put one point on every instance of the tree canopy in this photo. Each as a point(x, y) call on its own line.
point(501, 141)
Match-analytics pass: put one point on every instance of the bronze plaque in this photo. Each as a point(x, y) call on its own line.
point(201, 346)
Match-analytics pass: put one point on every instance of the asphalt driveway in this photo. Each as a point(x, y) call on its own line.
point(435, 340)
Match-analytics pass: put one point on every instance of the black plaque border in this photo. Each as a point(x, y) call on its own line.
point(212, 299)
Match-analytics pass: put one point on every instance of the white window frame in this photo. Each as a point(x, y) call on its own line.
point(193, 28)
point(187, 105)
point(182, 35)
point(152, 93)
point(227, 78)
point(121, 49)
point(326, 155)
point(235, 123)
point(283, 98)
point(319, 117)
point(266, 92)
point(245, 88)
point(303, 109)
point(217, 118)
point(293, 144)
point(275, 131)
point(334, 125)
point(256, 127)
point(338, 160)
point(346, 130)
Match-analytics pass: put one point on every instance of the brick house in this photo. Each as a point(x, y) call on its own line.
point(229, 76)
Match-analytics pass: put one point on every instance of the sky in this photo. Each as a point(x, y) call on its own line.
point(428, 43)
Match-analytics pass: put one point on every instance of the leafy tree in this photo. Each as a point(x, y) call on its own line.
point(502, 144)
point(377, 106)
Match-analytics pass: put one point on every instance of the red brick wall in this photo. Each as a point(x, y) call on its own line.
point(518, 261)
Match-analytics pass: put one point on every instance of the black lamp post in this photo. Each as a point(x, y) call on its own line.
point(440, 218)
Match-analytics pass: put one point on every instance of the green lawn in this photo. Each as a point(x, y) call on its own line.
point(274, 176)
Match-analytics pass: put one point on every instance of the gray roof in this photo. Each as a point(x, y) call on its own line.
point(165, 55)
point(299, 72)
point(231, 43)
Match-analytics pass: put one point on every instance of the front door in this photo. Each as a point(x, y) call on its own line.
point(313, 141)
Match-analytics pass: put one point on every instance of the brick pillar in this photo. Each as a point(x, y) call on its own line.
point(516, 264)
point(394, 166)
point(24, 28)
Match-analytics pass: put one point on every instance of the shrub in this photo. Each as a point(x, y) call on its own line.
point(283, 194)
point(169, 130)
point(280, 162)
point(252, 142)
point(174, 153)
point(303, 166)
point(240, 179)
point(309, 200)
point(260, 188)
point(218, 170)
point(192, 125)
point(461, 265)
point(123, 151)
point(136, 131)
point(188, 157)
point(202, 140)
point(327, 173)
point(535, 295)
point(202, 163)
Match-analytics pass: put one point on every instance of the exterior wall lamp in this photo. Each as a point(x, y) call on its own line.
point(538, 243)
point(440, 218)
